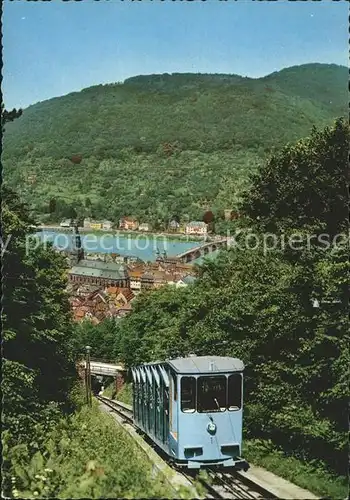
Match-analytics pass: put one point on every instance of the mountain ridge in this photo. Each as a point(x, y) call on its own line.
point(204, 133)
point(222, 76)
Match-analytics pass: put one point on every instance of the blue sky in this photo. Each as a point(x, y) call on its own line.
point(53, 48)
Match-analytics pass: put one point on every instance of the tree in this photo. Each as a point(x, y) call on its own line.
point(38, 361)
point(9, 116)
point(52, 205)
point(176, 218)
point(208, 217)
point(36, 320)
point(103, 339)
point(72, 212)
point(305, 185)
point(212, 145)
point(76, 159)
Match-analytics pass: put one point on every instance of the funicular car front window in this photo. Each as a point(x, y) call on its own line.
point(188, 394)
point(211, 393)
point(234, 401)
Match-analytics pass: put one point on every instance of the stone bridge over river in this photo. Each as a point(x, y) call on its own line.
point(202, 250)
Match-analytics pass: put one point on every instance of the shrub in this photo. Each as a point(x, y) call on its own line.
point(86, 456)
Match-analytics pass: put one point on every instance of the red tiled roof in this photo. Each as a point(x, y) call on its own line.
point(128, 294)
point(97, 294)
point(78, 313)
point(95, 305)
point(135, 274)
point(169, 278)
point(126, 307)
point(100, 315)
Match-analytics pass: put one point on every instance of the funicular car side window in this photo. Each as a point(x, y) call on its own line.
point(175, 386)
point(211, 393)
point(234, 401)
point(188, 394)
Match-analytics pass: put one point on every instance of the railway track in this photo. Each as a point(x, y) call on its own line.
point(234, 485)
point(220, 484)
point(118, 407)
point(229, 485)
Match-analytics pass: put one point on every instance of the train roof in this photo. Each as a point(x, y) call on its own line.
point(206, 364)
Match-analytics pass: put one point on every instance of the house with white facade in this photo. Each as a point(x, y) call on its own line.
point(144, 227)
point(197, 227)
point(174, 225)
point(107, 225)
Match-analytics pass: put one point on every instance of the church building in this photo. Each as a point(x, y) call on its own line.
point(94, 272)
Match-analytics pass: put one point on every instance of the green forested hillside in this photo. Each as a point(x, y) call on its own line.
point(163, 144)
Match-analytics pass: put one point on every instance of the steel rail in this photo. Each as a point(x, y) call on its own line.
point(265, 493)
point(231, 487)
point(240, 486)
point(118, 408)
point(213, 492)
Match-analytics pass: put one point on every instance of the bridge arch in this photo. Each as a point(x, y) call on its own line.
point(195, 253)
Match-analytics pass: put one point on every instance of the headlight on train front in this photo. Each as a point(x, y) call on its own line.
point(211, 428)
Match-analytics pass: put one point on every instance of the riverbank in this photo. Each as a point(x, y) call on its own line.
point(129, 234)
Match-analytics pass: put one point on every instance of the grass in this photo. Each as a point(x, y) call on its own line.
point(311, 476)
point(109, 391)
point(125, 394)
point(87, 456)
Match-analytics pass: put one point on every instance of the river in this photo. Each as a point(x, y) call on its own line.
point(142, 246)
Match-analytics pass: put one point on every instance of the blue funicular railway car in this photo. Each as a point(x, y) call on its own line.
point(192, 409)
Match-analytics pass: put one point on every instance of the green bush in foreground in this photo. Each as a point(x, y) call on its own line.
point(85, 456)
point(311, 476)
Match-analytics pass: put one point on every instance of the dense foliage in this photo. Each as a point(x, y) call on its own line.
point(305, 474)
point(86, 456)
point(9, 116)
point(161, 145)
point(101, 338)
point(284, 312)
point(49, 451)
point(305, 185)
point(38, 358)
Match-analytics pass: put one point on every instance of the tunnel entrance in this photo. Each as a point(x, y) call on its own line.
point(100, 382)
